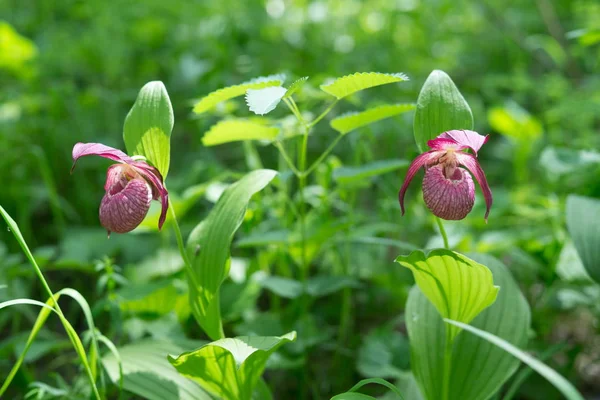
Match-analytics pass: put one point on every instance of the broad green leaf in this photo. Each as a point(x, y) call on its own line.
point(15, 50)
point(148, 374)
point(384, 353)
point(569, 266)
point(472, 376)
point(354, 120)
point(230, 368)
point(349, 84)
point(515, 122)
point(347, 175)
point(209, 248)
point(263, 101)
point(561, 161)
point(234, 130)
point(148, 126)
point(582, 223)
point(157, 298)
point(352, 395)
point(458, 287)
point(283, 287)
point(559, 382)
point(230, 92)
point(294, 87)
point(317, 286)
point(440, 108)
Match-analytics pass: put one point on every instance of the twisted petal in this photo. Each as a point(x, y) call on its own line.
point(98, 149)
point(465, 139)
point(159, 191)
point(441, 143)
point(448, 198)
point(421, 161)
point(471, 163)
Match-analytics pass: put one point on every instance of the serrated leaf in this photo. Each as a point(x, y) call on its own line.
point(354, 120)
point(230, 368)
point(472, 376)
point(209, 248)
point(582, 223)
point(457, 286)
point(294, 87)
point(234, 130)
point(346, 175)
point(349, 84)
point(263, 101)
point(148, 126)
point(230, 92)
point(440, 108)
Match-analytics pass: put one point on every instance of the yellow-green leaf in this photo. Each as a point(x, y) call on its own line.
point(354, 120)
point(234, 130)
point(294, 87)
point(349, 84)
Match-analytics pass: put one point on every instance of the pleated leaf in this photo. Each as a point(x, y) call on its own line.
point(294, 87)
point(583, 215)
point(263, 101)
point(235, 130)
point(440, 108)
point(230, 92)
point(350, 84)
point(458, 287)
point(354, 120)
point(209, 248)
point(230, 368)
point(473, 376)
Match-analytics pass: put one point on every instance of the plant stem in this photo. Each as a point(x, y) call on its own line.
point(181, 245)
point(442, 232)
point(323, 114)
point(302, 209)
point(322, 156)
point(287, 158)
point(447, 366)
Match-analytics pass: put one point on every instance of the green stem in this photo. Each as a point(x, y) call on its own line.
point(295, 110)
point(302, 209)
point(287, 158)
point(442, 232)
point(323, 114)
point(181, 246)
point(322, 156)
point(447, 366)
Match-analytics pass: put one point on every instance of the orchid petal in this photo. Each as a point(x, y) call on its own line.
point(154, 177)
point(471, 163)
point(98, 149)
point(445, 143)
point(466, 138)
point(421, 161)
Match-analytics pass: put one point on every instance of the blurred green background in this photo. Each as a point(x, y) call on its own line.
point(530, 70)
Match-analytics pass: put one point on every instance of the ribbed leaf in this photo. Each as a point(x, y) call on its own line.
point(148, 126)
point(440, 108)
point(353, 395)
point(582, 222)
point(148, 374)
point(473, 376)
point(230, 92)
point(263, 101)
point(230, 368)
point(458, 287)
point(234, 130)
point(294, 87)
point(349, 84)
point(354, 120)
point(569, 265)
point(346, 175)
point(209, 248)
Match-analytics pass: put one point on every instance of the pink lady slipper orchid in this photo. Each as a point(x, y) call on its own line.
point(448, 190)
point(130, 187)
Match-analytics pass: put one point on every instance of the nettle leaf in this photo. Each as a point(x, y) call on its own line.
point(235, 130)
point(354, 120)
point(472, 376)
point(230, 92)
point(294, 87)
point(440, 108)
point(582, 223)
point(230, 368)
point(457, 286)
point(209, 248)
point(148, 126)
point(348, 175)
point(349, 84)
point(263, 101)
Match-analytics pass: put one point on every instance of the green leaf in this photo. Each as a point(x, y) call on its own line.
point(283, 287)
point(440, 108)
point(15, 50)
point(472, 376)
point(209, 248)
point(561, 161)
point(234, 130)
point(384, 353)
point(156, 298)
point(515, 122)
point(569, 265)
point(294, 87)
point(148, 374)
point(148, 126)
point(582, 223)
point(349, 84)
point(559, 382)
point(317, 286)
point(351, 395)
point(354, 120)
point(230, 92)
point(458, 287)
point(263, 101)
point(347, 175)
point(230, 368)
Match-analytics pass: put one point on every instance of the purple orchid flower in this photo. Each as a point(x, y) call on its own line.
point(130, 187)
point(448, 190)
